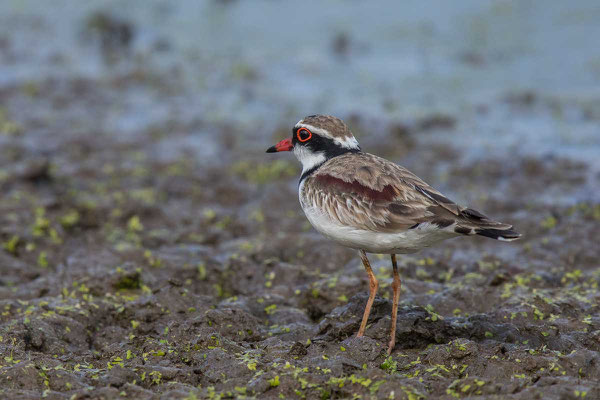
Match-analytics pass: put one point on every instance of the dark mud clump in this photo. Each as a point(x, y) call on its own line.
point(113, 34)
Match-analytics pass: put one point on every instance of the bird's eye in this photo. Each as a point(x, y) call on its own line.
point(303, 135)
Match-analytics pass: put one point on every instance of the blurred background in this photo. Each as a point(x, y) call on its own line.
point(259, 66)
point(132, 139)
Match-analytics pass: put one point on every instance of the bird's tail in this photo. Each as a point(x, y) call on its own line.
point(475, 223)
point(506, 235)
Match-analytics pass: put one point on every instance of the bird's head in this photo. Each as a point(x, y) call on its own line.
point(317, 138)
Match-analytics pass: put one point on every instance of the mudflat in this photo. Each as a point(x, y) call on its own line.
point(150, 249)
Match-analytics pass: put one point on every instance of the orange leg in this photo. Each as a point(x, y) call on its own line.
point(396, 297)
point(373, 285)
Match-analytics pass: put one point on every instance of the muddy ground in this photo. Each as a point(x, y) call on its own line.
point(169, 259)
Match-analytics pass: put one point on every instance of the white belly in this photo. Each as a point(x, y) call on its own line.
point(409, 241)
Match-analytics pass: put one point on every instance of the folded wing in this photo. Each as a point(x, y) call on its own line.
point(370, 193)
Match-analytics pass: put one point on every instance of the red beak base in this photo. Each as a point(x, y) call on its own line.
point(284, 145)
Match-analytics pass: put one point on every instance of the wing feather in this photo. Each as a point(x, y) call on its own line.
point(367, 192)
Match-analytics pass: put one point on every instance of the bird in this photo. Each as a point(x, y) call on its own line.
point(373, 205)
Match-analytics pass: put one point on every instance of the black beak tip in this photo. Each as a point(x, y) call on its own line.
point(272, 149)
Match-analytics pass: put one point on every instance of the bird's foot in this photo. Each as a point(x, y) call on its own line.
point(391, 346)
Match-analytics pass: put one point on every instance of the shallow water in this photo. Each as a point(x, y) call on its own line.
point(253, 62)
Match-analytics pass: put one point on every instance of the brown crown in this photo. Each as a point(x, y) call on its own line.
point(334, 126)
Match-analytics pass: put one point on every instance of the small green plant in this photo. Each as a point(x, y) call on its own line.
point(389, 365)
point(274, 382)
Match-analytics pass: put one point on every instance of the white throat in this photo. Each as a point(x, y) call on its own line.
point(308, 158)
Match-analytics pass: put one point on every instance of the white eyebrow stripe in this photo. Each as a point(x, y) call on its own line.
point(348, 142)
point(314, 129)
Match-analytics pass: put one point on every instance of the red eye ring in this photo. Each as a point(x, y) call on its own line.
point(305, 139)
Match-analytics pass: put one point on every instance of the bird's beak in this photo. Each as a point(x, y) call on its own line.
point(284, 145)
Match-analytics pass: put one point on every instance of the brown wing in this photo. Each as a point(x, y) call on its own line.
point(368, 192)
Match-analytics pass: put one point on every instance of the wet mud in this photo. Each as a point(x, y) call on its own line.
point(152, 252)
